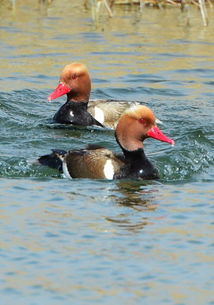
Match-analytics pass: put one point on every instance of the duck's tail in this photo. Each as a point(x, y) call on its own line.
point(53, 160)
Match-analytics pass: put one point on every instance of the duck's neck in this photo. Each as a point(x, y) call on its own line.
point(137, 165)
point(74, 100)
point(76, 97)
point(78, 106)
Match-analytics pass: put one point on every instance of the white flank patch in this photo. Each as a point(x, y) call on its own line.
point(108, 170)
point(71, 113)
point(65, 170)
point(99, 115)
point(157, 121)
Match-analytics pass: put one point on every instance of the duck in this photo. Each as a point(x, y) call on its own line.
point(95, 162)
point(79, 110)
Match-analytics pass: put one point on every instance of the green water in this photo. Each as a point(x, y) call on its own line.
point(106, 242)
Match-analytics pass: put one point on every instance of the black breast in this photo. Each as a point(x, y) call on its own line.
point(75, 113)
point(137, 165)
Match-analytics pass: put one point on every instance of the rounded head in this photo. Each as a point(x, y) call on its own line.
point(72, 71)
point(141, 112)
point(135, 125)
point(75, 82)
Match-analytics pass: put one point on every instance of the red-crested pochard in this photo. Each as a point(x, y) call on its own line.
point(78, 110)
point(135, 125)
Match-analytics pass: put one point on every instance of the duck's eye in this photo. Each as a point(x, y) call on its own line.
point(142, 121)
point(74, 76)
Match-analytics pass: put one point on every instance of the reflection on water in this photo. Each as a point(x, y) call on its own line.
point(132, 194)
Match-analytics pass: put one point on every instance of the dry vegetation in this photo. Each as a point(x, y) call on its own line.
point(155, 3)
point(182, 4)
